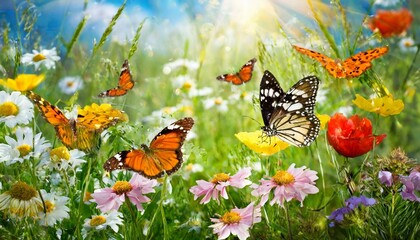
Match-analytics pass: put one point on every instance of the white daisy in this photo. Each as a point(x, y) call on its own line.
point(69, 85)
point(15, 109)
point(191, 168)
point(346, 110)
point(25, 146)
point(199, 92)
point(188, 64)
point(55, 207)
point(218, 103)
point(62, 159)
point(45, 57)
point(407, 45)
point(242, 96)
point(100, 222)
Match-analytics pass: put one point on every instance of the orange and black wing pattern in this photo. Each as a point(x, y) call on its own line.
point(125, 83)
point(244, 75)
point(351, 67)
point(163, 155)
point(72, 134)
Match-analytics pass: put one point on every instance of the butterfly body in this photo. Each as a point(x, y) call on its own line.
point(125, 83)
point(351, 67)
point(162, 155)
point(82, 132)
point(244, 75)
point(289, 115)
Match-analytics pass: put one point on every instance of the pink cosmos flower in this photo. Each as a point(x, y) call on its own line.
point(295, 183)
point(218, 184)
point(111, 198)
point(236, 222)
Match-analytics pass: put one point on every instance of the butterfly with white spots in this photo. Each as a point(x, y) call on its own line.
point(289, 116)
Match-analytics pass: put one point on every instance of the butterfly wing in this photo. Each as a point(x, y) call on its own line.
point(336, 70)
point(292, 118)
point(270, 95)
point(163, 155)
point(244, 75)
point(125, 83)
point(360, 62)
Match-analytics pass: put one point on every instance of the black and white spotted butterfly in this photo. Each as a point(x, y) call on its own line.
point(289, 116)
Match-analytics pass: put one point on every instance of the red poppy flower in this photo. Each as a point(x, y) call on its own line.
point(352, 137)
point(391, 22)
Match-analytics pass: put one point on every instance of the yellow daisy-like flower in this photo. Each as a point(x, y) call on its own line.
point(23, 82)
point(102, 114)
point(21, 200)
point(324, 119)
point(384, 106)
point(261, 144)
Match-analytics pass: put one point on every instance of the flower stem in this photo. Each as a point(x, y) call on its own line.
point(404, 84)
point(289, 226)
point(162, 198)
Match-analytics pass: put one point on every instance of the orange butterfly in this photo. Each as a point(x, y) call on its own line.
point(83, 132)
point(163, 155)
point(244, 75)
point(351, 67)
point(125, 83)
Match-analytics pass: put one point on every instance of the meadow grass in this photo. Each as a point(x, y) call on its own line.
point(172, 212)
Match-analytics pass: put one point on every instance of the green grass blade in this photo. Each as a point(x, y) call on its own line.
point(136, 39)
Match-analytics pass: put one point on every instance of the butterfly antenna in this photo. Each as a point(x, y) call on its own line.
point(259, 123)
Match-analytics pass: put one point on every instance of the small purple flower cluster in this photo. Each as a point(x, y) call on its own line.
point(351, 204)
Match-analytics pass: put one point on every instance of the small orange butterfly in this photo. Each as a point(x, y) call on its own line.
point(163, 155)
point(125, 83)
point(244, 75)
point(82, 133)
point(353, 66)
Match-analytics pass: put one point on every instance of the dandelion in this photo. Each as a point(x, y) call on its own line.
point(352, 137)
point(69, 85)
point(295, 183)
point(46, 57)
point(391, 22)
point(100, 222)
point(15, 109)
point(218, 103)
point(411, 186)
point(20, 201)
point(407, 45)
point(61, 158)
point(263, 145)
point(384, 106)
point(55, 209)
point(236, 222)
point(217, 186)
point(24, 147)
point(23, 82)
point(112, 198)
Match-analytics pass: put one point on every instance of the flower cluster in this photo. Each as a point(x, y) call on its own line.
point(352, 203)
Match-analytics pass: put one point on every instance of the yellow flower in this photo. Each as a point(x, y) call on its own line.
point(23, 82)
point(261, 144)
point(103, 115)
point(323, 118)
point(384, 106)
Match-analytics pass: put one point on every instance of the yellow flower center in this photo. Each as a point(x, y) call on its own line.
point(38, 57)
point(243, 95)
point(167, 110)
point(98, 220)
point(49, 206)
point(121, 187)
point(408, 44)
point(8, 109)
point(70, 84)
point(189, 167)
point(60, 153)
point(24, 149)
point(220, 177)
point(218, 101)
point(283, 178)
point(87, 197)
point(187, 85)
point(231, 217)
point(22, 191)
